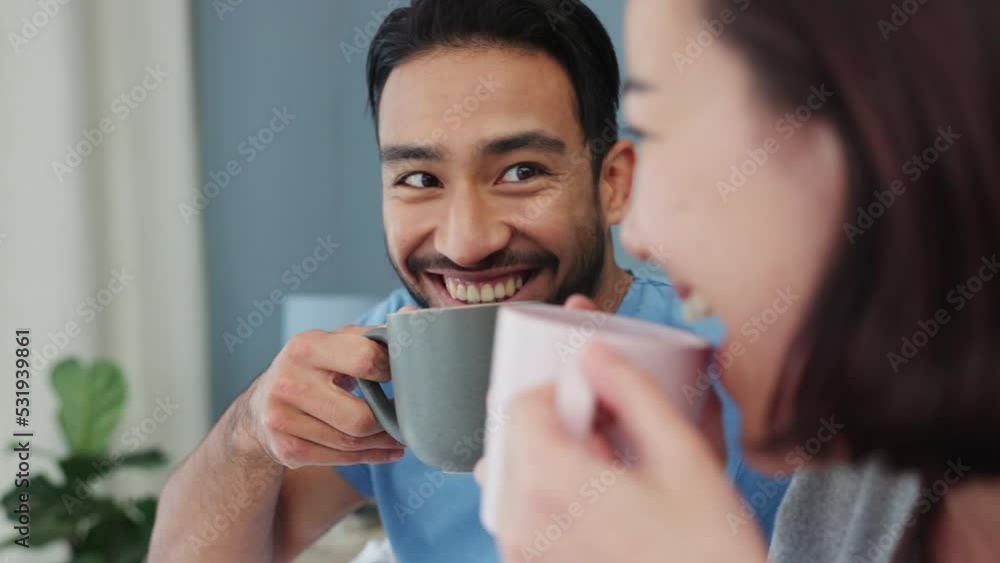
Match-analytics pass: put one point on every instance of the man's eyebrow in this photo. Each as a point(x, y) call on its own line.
point(537, 140)
point(396, 153)
point(637, 86)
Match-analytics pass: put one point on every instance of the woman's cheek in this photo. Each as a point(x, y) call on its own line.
point(640, 229)
point(631, 235)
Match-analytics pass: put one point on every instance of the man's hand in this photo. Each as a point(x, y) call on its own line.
point(298, 413)
point(301, 411)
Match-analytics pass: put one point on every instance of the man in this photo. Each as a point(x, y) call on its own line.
point(502, 172)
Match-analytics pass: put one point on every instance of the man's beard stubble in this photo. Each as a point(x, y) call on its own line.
point(583, 276)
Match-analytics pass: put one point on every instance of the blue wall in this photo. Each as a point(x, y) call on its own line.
point(317, 177)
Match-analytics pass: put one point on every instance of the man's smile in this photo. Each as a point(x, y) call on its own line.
point(487, 286)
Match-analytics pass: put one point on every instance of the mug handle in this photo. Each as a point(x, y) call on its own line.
point(383, 409)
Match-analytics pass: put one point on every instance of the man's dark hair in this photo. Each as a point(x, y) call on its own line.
point(566, 30)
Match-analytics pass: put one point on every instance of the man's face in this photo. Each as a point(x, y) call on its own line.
point(488, 191)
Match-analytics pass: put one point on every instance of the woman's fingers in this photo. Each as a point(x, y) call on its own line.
point(537, 438)
point(544, 467)
point(534, 426)
point(580, 303)
point(712, 427)
point(648, 419)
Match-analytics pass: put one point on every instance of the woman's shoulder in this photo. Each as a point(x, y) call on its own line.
point(844, 513)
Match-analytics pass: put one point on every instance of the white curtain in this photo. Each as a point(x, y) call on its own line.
point(97, 150)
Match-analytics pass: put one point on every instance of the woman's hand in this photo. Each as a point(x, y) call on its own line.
point(664, 498)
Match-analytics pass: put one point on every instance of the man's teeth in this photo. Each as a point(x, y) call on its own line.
point(472, 292)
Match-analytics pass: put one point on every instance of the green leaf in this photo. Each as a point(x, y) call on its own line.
point(146, 508)
point(91, 403)
point(143, 458)
point(35, 450)
point(146, 516)
point(49, 519)
point(9, 542)
point(84, 470)
point(41, 492)
point(59, 512)
point(83, 510)
point(118, 538)
point(88, 558)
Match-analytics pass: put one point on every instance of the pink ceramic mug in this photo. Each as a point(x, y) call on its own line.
point(535, 344)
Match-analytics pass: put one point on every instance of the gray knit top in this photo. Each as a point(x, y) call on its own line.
point(845, 514)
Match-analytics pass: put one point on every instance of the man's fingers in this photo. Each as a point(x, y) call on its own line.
point(324, 400)
point(345, 382)
point(301, 425)
point(371, 456)
point(345, 351)
point(296, 452)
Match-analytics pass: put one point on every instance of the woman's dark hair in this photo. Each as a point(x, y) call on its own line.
point(902, 345)
point(566, 30)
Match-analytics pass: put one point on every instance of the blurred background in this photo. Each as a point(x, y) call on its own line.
point(171, 175)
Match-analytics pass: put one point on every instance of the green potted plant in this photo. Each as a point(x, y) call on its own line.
point(97, 527)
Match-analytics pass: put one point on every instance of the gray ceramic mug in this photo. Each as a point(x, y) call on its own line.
point(439, 361)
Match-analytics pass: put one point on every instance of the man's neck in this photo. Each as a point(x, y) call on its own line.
point(969, 525)
point(610, 293)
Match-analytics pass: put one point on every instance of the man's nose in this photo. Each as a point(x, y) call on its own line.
point(472, 230)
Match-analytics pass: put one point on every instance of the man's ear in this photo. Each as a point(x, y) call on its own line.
point(616, 181)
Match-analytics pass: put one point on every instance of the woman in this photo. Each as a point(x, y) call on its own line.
point(840, 154)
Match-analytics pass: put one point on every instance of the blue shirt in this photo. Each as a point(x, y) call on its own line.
point(432, 516)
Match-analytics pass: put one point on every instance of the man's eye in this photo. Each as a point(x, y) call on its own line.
point(522, 172)
point(420, 180)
